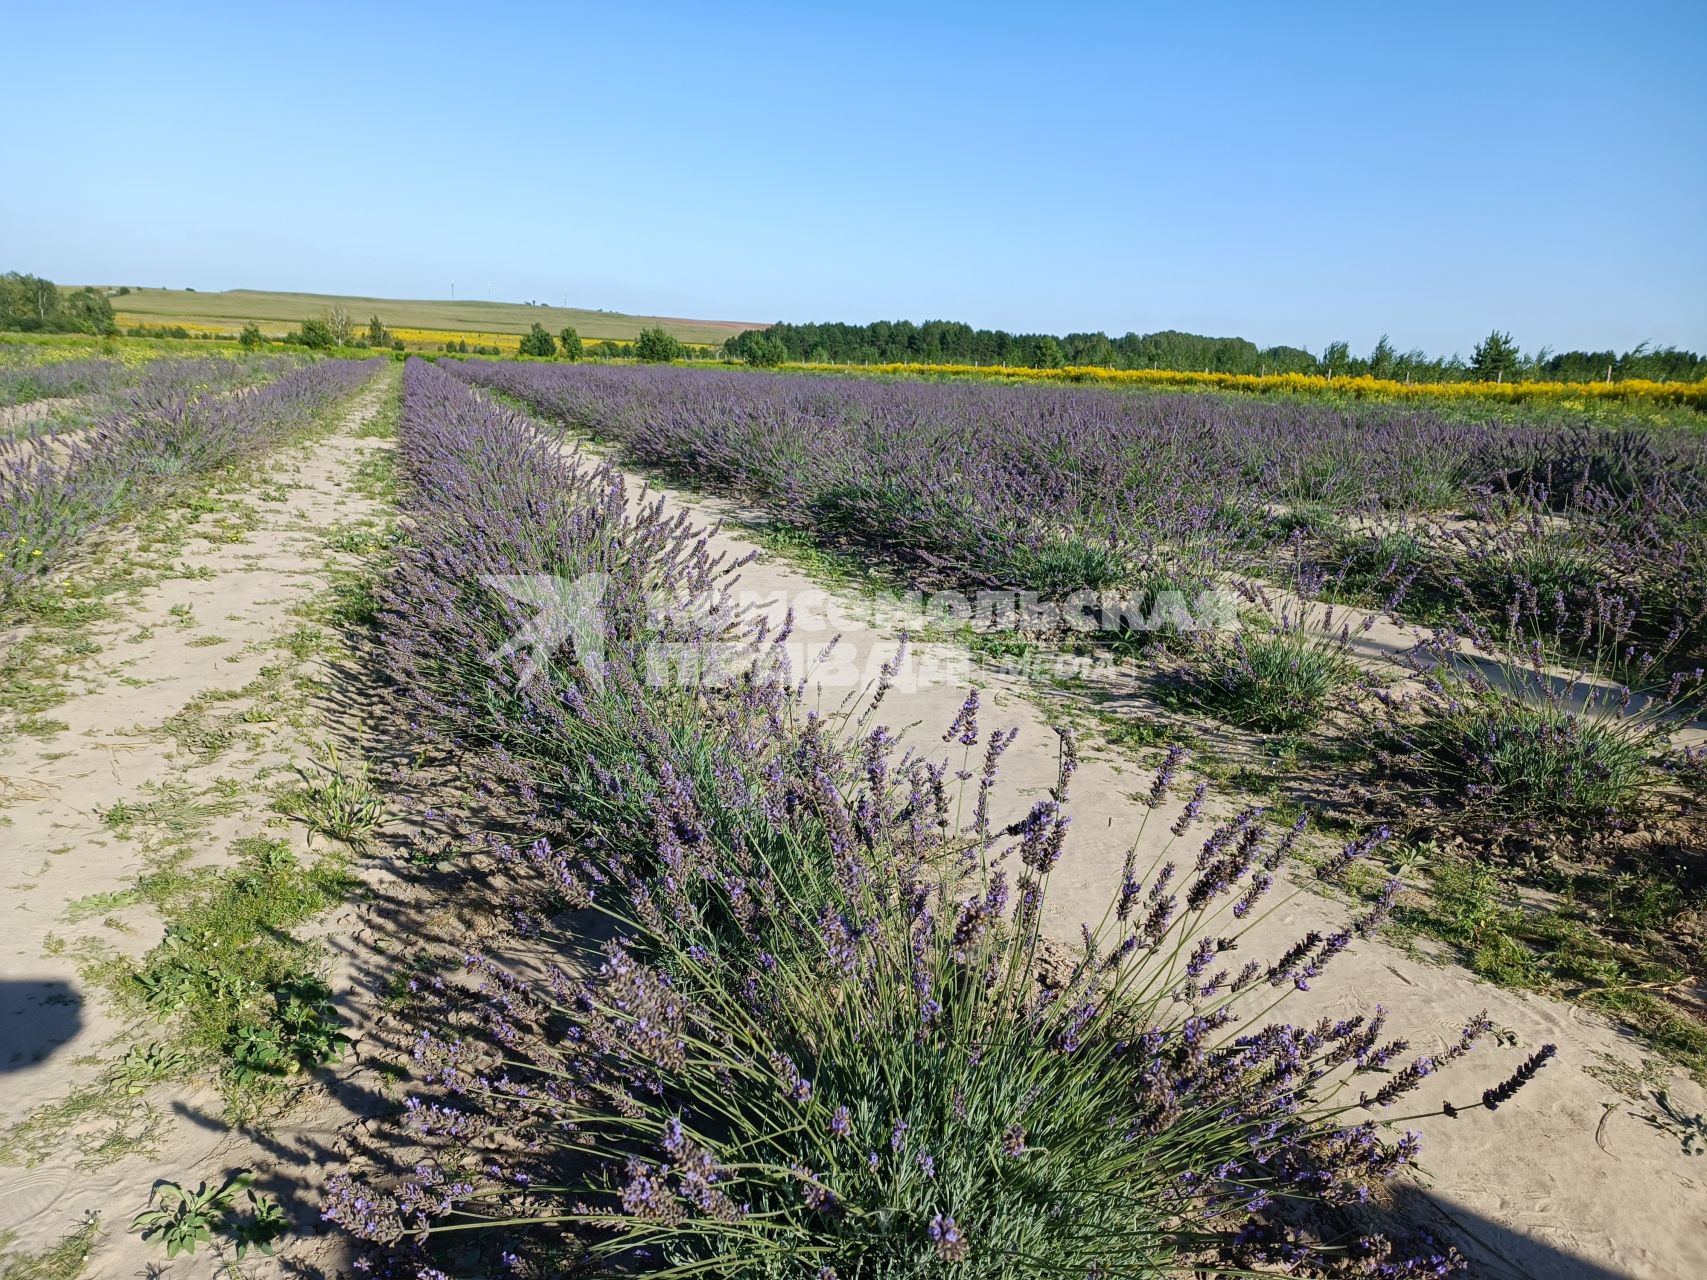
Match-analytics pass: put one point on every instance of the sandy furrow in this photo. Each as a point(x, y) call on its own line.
point(220, 622)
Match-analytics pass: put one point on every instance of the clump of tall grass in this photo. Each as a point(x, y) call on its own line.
point(335, 799)
point(1284, 676)
point(1503, 737)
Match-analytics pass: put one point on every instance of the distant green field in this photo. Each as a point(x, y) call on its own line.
point(230, 310)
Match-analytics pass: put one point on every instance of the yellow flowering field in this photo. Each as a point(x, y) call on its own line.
point(1690, 394)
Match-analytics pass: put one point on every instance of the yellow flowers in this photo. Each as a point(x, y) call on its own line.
point(1690, 394)
point(438, 337)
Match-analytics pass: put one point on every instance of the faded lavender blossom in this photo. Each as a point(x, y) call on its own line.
point(950, 1240)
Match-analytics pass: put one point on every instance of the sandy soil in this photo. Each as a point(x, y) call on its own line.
point(214, 624)
point(17, 415)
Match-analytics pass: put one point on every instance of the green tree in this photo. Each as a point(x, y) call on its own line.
point(1382, 359)
point(1335, 357)
point(538, 342)
point(657, 346)
point(251, 338)
point(376, 334)
point(766, 352)
point(1494, 357)
point(315, 334)
point(570, 342)
point(28, 302)
point(87, 310)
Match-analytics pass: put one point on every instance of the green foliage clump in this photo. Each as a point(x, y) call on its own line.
point(657, 346)
point(1495, 356)
point(336, 800)
point(230, 973)
point(570, 342)
point(765, 352)
point(1532, 763)
point(537, 342)
point(30, 304)
point(315, 334)
point(1505, 742)
point(1277, 681)
point(182, 1219)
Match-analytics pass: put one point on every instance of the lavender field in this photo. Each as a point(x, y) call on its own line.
point(1057, 489)
point(1537, 583)
point(795, 1000)
point(537, 903)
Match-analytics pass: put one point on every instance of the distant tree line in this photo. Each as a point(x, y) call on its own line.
point(949, 342)
point(656, 344)
point(30, 304)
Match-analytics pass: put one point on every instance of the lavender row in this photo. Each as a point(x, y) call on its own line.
point(1057, 489)
point(21, 383)
point(57, 492)
point(792, 1015)
point(108, 378)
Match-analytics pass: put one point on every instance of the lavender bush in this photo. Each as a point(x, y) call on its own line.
point(802, 1018)
point(54, 495)
point(105, 384)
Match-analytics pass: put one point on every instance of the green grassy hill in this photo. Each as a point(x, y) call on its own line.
point(230, 310)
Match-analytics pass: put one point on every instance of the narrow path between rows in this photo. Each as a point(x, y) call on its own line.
point(197, 701)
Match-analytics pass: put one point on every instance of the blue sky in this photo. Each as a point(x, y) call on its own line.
point(1288, 173)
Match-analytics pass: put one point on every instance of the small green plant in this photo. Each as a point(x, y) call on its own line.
point(304, 1033)
point(143, 1066)
point(355, 540)
point(336, 800)
point(231, 978)
point(1282, 678)
point(182, 1219)
point(264, 1227)
point(1533, 762)
point(1507, 743)
point(1275, 682)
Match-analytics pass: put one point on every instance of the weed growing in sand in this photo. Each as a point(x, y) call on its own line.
point(62, 1261)
point(181, 1219)
point(230, 977)
point(335, 799)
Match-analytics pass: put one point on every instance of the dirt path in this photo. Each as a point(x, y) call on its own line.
point(192, 706)
point(15, 416)
point(1574, 1180)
